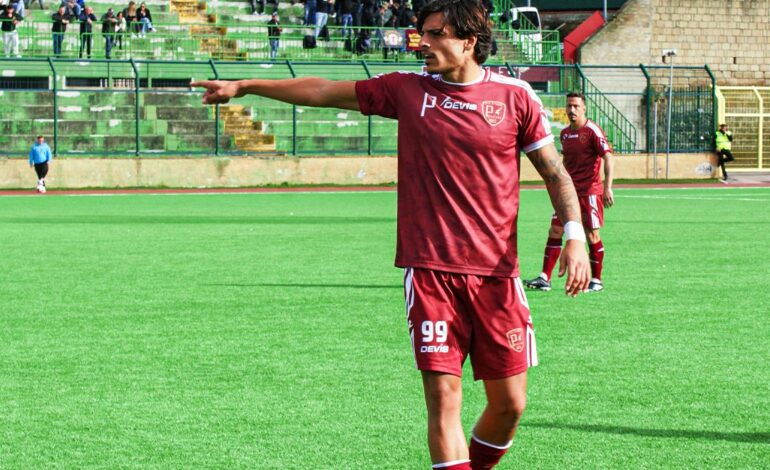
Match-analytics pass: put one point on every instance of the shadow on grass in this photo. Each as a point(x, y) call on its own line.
point(312, 286)
point(760, 437)
point(196, 220)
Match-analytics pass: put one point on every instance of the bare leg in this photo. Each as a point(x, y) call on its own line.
point(506, 400)
point(443, 398)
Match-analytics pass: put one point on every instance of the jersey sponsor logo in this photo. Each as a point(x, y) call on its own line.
point(493, 112)
point(430, 102)
point(434, 349)
point(516, 339)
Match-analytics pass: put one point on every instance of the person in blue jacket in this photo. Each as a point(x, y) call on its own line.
point(39, 156)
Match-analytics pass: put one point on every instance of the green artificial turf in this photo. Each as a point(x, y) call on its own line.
point(267, 331)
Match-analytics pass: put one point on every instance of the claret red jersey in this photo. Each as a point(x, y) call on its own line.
point(583, 150)
point(458, 166)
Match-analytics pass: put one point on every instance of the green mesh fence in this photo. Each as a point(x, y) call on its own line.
point(133, 107)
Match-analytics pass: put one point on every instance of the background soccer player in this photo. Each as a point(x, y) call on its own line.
point(461, 130)
point(584, 147)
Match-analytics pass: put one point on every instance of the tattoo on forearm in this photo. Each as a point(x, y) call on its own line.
point(560, 188)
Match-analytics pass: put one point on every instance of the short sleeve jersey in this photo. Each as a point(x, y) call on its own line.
point(458, 166)
point(583, 150)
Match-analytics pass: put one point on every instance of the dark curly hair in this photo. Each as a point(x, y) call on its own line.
point(468, 19)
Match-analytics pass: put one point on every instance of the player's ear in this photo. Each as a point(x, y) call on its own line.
point(470, 44)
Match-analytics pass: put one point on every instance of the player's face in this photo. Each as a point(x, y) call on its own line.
point(444, 52)
point(576, 110)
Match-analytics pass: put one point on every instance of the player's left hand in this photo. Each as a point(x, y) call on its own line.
point(609, 198)
point(574, 262)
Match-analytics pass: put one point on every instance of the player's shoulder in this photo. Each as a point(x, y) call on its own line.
point(594, 128)
point(402, 75)
point(516, 84)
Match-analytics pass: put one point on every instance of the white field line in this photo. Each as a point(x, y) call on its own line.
point(696, 198)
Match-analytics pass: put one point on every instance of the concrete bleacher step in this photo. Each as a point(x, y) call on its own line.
point(87, 127)
point(356, 128)
point(338, 144)
point(117, 144)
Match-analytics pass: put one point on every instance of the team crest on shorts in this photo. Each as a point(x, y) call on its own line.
point(516, 339)
point(493, 112)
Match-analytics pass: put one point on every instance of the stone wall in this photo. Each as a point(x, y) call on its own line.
point(730, 37)
point(224, 172)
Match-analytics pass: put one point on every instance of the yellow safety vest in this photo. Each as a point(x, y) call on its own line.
point(723, 140)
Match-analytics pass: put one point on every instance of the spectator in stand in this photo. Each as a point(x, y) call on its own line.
point(391, 15)
point(129, 13)
point(73, 8)
point(406, 18)
point(418, 5)
point(346, 9)
point(310, 9)
point(60, 21)
point(144, 17)
point(378, 20)
point(121, 27)
point(364, 40)
point(18, 7)
point(274, 34)
point(322, 15)
point(254, 4)
point(87, 20)
point(28, 4)
point(9, 19)
point(110, 25)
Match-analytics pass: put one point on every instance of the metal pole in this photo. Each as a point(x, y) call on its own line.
point(670, 98)
point(605, 11)
point(216, 111)
point(369, 140)
point(293, 115)
point(137, 107)
point(655, 143)
point(55, 110)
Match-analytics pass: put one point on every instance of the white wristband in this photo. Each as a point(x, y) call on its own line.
point(574, 231)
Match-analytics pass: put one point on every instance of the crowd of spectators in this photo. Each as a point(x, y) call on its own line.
point(362, 23)
point(358, 20)
point(133, 19)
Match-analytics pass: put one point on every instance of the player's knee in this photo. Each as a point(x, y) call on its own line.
point(593, 237)
point(442, 396)
point(509, 411)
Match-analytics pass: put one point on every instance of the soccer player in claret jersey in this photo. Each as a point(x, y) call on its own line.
point(460, 131)
point(584, 147)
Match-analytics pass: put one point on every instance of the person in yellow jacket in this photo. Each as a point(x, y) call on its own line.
point(723, 141)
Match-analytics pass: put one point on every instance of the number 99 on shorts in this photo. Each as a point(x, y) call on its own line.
point(434, 332)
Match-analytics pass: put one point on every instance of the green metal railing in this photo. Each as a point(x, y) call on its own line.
point(617, 128)
point(140, 107)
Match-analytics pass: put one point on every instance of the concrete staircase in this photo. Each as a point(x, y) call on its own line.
point(190, 11)
point(247, 134)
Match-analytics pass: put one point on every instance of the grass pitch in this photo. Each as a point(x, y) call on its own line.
point(267, 331)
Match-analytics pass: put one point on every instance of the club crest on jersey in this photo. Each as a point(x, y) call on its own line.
point(583, 139)
point(516, 339)
point(493, 112)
